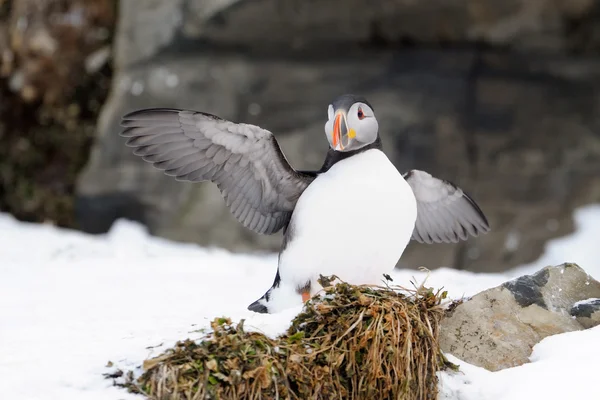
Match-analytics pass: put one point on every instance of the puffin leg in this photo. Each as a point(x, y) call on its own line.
point(305, 296)
point(304, 291)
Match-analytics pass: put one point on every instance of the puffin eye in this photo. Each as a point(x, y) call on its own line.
point(361, 115)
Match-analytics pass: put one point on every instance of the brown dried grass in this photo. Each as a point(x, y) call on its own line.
point(353, 342)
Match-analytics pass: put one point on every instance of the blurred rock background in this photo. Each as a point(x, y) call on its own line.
point(502, 98)
point(54, 77)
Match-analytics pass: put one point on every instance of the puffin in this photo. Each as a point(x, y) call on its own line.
point(352, 218)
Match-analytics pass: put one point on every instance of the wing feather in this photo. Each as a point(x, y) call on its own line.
point(444, 212)
point(245, 161)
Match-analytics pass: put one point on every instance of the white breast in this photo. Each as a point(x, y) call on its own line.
point(354, 221)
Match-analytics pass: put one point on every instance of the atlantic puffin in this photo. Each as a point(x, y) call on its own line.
point(352, 218)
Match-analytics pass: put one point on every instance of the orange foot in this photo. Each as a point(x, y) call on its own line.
point(305, 296)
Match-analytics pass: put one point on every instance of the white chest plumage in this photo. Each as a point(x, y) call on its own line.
point(354, 221)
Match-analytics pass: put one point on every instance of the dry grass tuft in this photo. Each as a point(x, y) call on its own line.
point(353, 342)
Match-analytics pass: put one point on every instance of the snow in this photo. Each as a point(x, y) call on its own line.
point(71, 302)
point(592, 300)
point(563, 367)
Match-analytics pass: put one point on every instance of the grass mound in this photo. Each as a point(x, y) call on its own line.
point(352, 342)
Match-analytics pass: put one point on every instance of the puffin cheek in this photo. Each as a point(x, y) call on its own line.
point(351, 137)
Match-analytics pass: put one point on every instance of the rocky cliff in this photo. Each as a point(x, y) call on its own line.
point(501, 98)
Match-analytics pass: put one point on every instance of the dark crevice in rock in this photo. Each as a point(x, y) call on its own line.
point(376, 39)
point(344, 50)
point(470, 111)
point(96, 214)
point(582, 32)
point(460, 256)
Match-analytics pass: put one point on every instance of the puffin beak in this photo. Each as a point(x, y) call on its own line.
point(340, 130)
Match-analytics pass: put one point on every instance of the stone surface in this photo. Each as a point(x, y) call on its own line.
point(513, 129)
point(145, 27)
point(557, 25)
point(498, 328)
point(587, 312)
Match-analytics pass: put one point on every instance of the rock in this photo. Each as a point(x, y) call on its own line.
point(587, 312)
point(145, 27)
point(471, 116)
point(498, 328)
point(150, 25)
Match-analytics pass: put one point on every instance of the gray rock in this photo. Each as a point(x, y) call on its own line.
point(148, 25)
point(498, 328)
point(587, 312)
point(144, 28)
point(470, 116)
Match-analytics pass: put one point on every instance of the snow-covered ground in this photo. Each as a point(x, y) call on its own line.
point(71, 302)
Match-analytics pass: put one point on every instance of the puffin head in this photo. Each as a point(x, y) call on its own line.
point(351, 123)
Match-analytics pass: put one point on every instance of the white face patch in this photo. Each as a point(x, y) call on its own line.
point(362, 119)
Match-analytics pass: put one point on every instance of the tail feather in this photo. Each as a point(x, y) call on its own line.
point(260, 305)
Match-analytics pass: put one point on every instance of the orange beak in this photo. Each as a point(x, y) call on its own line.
point(340, 128)
point(336, 130)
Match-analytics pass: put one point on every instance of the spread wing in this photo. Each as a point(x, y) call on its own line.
point(245, 161)
point(444, 212)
